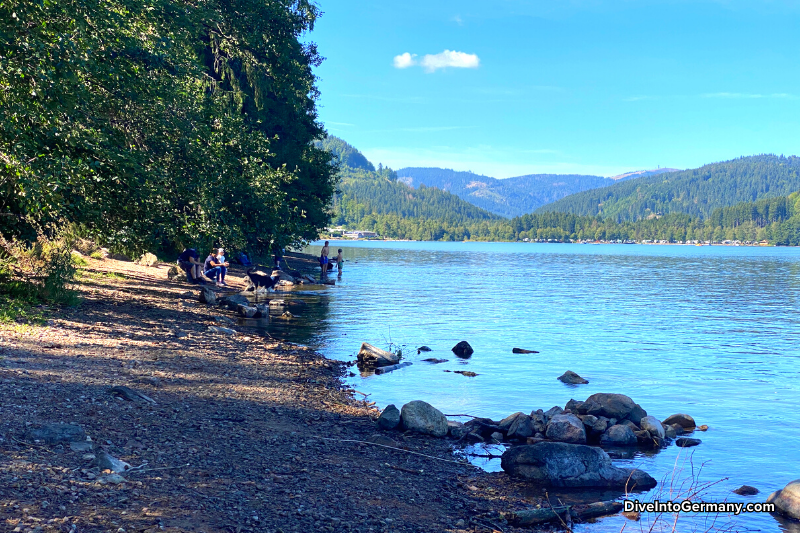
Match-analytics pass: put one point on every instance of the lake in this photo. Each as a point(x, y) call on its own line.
point(710, 331)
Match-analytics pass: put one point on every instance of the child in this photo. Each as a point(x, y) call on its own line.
point(339, 260)
point(223, 266)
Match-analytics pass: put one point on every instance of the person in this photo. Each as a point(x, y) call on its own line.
point(223, 266)
point(339, 261)
point(189, 261)
point(244, 260)
point(211, 267)
point(278, 258)
point(323, 259)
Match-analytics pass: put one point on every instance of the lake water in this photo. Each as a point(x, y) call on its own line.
point(709, 331)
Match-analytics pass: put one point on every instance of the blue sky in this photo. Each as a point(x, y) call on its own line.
point(512, 87)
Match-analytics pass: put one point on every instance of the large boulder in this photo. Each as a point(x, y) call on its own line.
point(233, 301)
point(787, 500)
point(652, 425)
point(506, 423)
point(619, 435)
point(609, 405)
point(684, 421)
point(390, 417)
point(566, 428)
point(371, 356)
point(208, 296)
point(636, 414)
point(463, 349)
point(422, 417)
point(559, 464)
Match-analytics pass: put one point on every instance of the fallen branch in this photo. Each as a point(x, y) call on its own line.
point(402, 469)
point(154, 469)
point(395, 448)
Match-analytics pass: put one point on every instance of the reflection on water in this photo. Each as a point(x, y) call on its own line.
point(710, 331)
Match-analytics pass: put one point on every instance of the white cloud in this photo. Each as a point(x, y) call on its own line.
point(405, 60)
point(433, 62)
point(448, 58)
point(458, 20)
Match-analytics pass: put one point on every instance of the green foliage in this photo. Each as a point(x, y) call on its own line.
point(345, 154)
point(696, 192)
point(157, 124)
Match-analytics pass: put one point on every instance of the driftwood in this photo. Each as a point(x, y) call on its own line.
point(578, 513)
point(387, 369)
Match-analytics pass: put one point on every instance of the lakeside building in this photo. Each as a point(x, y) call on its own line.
point(360, 235)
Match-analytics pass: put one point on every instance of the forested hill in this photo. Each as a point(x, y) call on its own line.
point(345, 153)
point(507, 197)
point(696, 192)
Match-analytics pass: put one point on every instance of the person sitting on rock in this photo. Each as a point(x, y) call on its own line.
point(223, 266)
point(189, 262)
point(211, 267)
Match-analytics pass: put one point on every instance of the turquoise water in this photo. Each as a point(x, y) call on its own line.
point(708, 331)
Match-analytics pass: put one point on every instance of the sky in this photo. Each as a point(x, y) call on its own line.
point(511, 87)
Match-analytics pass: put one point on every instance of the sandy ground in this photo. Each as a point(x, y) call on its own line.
point(246, 433)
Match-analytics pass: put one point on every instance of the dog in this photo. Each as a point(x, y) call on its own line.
point(260, 281)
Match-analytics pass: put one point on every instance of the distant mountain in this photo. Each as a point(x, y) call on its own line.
point(643, 173)
point(345, 153)
point(507, 197)
point(696, 192)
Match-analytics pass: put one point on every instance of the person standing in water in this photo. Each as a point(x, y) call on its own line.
point(323, 259)
point(339, 261)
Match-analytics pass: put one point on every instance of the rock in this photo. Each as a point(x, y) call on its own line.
point(522, 427)
point(383, 440)
point(652, 425)
point(113, 479)
point(787, 500)
point(247, 311)
point(636, 414)
point(496, 437)
point(286, 316)
point(57, 433)
point(460, 523)
point(277, 303)
point(106, 462)
point(522, 350)
point(120, 257)
point(224, 320)
point(678, 429)
point(618, 435)
point(434, 361)
point(578, 513)
point(669, 432)
point(746, 490)
point(283, 276)
point(566, 428)
point(560, 464)
point(390, 417)
point(685, 442)
point(219, 329)
point(571, 378)
point(506, 423)
point(463, 349)
point(466, 373)
point(148, 259)
point(370, 356)
point(600, 426)
point(685, 421)
point(573, 406)
point(609, 405)
point(423, 349)
point(643, 438)
point(630, 424)
point(173, 273)
point(455, 429)
point(80, 446)
point(422, 417)
point(553, 411)
point(208, 296)
point(233, 301)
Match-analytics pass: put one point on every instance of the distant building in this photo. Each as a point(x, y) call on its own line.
point(360, 235)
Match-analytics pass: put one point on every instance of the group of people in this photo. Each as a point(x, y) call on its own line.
point(212, 271)
point(325, 262)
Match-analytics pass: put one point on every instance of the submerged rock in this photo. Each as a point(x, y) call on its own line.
point(686, 442)
point(787, 500)
point(684, 421)
point(571, 378)
point(746, 490)
point(423, 349)
point(434, 361)
point(522, 350)
point(370, 356)
point(463, 349)
point(422, 417)
point(560, 464)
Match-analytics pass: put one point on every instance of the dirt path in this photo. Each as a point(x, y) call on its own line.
point(244, 435)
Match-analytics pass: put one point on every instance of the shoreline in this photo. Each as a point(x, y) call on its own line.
point(246, 433)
